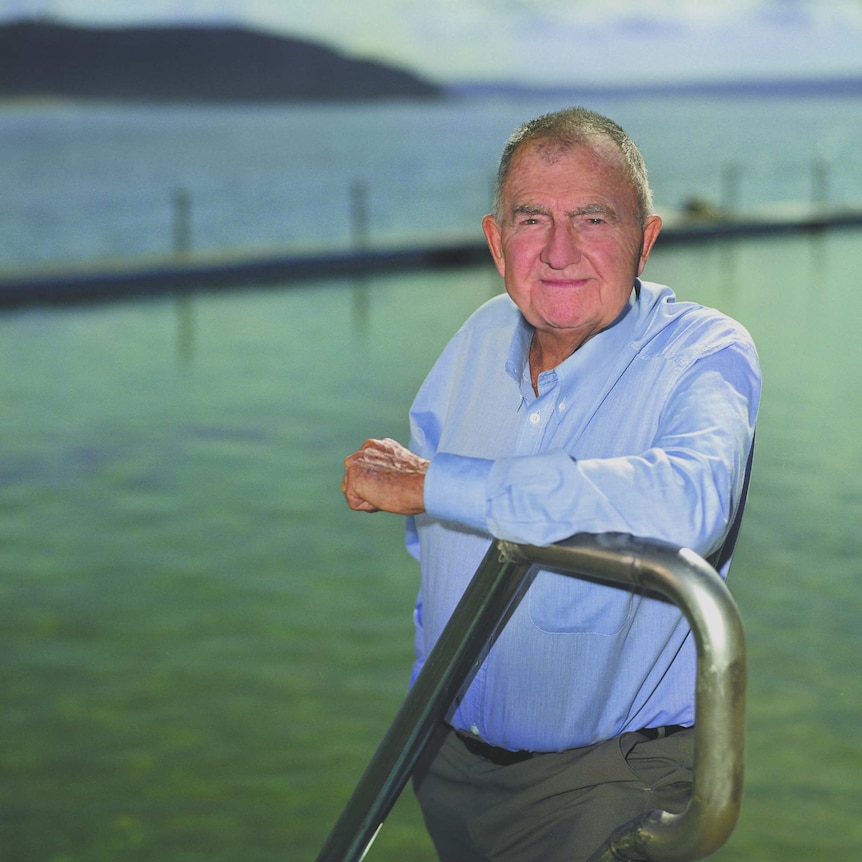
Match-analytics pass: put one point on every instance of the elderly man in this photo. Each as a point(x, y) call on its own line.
point(582, 400)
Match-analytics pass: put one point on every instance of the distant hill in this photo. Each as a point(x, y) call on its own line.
point(187, 64)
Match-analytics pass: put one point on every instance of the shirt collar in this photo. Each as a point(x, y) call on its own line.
point(519, 350)
point(601, 347)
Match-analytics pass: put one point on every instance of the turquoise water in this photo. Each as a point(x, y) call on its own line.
point(202, 647)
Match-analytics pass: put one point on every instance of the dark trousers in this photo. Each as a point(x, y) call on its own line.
point(557, 807)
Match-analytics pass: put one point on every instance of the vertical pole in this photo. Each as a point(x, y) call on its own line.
point(359, 243)
point(819, 182)
point(819, 201)
point(182, 236)
point(731, 174)
point(182, 206)
point(359, 215)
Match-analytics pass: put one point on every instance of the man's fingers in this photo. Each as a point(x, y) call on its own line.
point(354, 501)
point(384, 476)
point(355, 466)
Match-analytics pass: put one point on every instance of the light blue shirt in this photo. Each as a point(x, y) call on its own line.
point(645, 430)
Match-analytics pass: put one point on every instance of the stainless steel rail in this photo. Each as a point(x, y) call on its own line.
point(678, 575)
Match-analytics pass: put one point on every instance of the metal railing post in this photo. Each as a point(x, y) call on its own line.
point(687, 580)
point(484, 608)
point(678, 575)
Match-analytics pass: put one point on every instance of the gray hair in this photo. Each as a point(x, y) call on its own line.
point(566, 130)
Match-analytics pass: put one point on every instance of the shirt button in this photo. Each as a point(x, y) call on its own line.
point(561, 406)
point(534, 418)
point(474, 730)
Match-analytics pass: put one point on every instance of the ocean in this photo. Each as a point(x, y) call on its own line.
point(201, 645)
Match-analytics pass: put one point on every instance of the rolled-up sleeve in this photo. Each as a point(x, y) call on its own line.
point(683, 487)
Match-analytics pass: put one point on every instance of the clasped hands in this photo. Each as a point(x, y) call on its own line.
point(384, 476)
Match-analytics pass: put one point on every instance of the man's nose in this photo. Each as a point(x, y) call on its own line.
point(562, 246)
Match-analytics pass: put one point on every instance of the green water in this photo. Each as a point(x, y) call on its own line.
point(201, 646)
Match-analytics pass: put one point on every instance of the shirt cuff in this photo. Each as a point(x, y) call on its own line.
point(456, 489)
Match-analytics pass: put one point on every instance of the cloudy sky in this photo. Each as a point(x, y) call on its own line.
point(534, 41)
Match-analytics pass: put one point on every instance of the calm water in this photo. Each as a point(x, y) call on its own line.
point(202, 647)
point(79, 181)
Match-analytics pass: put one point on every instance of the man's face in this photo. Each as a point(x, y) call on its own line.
point(570, 244)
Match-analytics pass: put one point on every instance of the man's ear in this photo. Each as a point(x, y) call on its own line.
point(491, 229)
point(651, 232)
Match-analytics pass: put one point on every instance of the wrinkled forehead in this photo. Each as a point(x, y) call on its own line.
point(591, 172)
point(599, 159)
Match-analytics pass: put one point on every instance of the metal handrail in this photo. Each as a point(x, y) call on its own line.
point(501, 580)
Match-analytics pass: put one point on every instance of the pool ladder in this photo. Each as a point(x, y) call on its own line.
point(678, 575)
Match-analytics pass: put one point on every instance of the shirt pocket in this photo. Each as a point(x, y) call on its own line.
point(561, 604)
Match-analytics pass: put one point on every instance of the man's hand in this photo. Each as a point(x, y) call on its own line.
point(384, 476)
